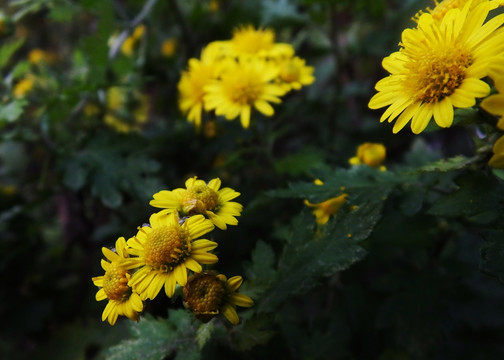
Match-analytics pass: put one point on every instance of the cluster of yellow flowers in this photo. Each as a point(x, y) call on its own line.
point(368, 154)
point(249, 71)
point(442, 64)
point(162, 253)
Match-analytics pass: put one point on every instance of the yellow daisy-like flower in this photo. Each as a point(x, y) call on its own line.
point(439, 67)
point(165, 250)
point(244, 84)
point(371, 154)
point(201, 198)
point(497, 160)
point(494, 104)
point(122, 299)
point(208, 295)
point(294, 73)
point(248, 41)
point(325, 209)
point(441, 8)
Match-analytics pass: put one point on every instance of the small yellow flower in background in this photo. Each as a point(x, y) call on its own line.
point(38, 56)
point(371, 154)
point(91, 109)
point(497, 160)
point(243, 85)
point(130, 44)
point(213, 6)
point(494, 104)
point(439, 67)
point(168, 47)
point(24, 86)
point(294, 73)
point(248, 41)
point(208, 295)
point(122, 299)
point(127, 109)
point(201, 198)
point(138, 32)
point(165, 250)
point(325, 209)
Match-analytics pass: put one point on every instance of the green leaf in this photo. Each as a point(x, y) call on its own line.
point(260, 272)
point(299, 163)
point(7, 50)
point(204, 333)
point(450, 164)
point(75, 175)
point(156, 339)
point(253, 332)
point(479, 198)
point(13, 110)
point(492, 253)
point(20, 69)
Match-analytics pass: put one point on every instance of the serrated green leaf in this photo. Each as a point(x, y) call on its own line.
point(204, 333)
point(8, 49)
point(450, 164)
point(256, 331)
point(260, 272)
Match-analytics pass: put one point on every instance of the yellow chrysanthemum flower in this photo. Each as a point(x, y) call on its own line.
point(439, 67)
point(494, 104)
point(497, 160)
point(165, 250)
point(208, 295)
point(294, 73)
point(201, 198)
point(441, 8)
point(168, 47)
point(122, 299)
point(248, 41)
point(371, 154)
point(243, 85)
point(192, 83)
point(325, 209)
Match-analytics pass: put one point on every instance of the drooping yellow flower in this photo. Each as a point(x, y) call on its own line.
point(168, 47)
point(294, 73)
point(325, 209)
point(494, 104)
point(248, 41)
point(201, 198)
point(497, 159)
point(208, 295)
point(243, 85)
point(122, 299)
point(165, 250)
point(371, 154)
point(439, 67)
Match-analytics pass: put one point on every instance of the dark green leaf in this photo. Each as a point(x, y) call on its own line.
point(8, 49)
point(492, 253)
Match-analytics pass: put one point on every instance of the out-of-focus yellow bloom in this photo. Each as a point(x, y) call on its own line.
point(128, 46)
point(168, 47)
point(213, 6)
point(243, 85)
point(441, 8)
point(294, 73)
point(497, 160)
point(325, 209)
point(37, 56)
point(248, 41)
point(91, 109)
point(371, 154)
point(138, 32)
point(24, 86)
point(494, 104)
point(127, 109)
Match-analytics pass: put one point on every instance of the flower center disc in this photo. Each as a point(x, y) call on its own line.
point(166, 246)
point(438, 73)
point(115, 282)
point(198, 199)
point(204, 294)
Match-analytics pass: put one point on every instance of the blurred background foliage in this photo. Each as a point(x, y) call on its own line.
point(421, 244)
